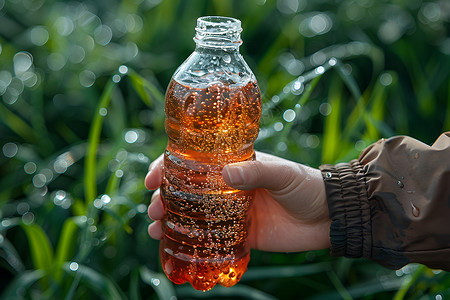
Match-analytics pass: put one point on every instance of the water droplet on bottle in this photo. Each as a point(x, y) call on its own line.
point(400, 184)
point(415, 210)
point(226, 58)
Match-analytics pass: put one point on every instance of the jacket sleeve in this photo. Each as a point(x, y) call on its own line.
point(392, 205)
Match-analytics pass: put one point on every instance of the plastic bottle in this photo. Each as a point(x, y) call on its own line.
point(213, 106)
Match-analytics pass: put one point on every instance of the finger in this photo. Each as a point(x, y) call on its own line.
point(154, 175)
point(156, 208)
point(273, 175)
point(155, 230)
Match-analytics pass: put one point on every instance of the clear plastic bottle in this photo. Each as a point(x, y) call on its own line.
point(213, 107)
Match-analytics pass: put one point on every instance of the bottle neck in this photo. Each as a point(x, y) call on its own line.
point(218, 33)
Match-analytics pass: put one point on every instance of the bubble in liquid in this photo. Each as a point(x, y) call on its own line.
point(226, 58)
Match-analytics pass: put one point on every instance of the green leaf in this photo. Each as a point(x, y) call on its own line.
point(66, 245)
point(159, 282)
point(238, 291)
point(10, 255)
point(409, 281)
point(301, 101)
point(134, 285)
point(90, 178)
point(40, 247)
point(148, 92)
point(22, 281)
point(102, 285)
point(272, 272)
point(338, 285)
point(17, 125)
point(332, 127)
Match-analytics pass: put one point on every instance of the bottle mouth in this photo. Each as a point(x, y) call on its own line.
point(218, 32)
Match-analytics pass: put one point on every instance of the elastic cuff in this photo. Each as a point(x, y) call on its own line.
point(349, 209)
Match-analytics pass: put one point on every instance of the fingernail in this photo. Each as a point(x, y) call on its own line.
point(235, 175)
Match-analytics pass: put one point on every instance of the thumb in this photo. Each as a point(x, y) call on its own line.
point(271, 175)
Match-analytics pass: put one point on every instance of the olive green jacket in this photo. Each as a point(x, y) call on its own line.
point(392, 205)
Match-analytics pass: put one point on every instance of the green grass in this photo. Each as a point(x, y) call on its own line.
point(72, 198)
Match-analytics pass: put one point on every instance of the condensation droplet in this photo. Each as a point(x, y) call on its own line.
point(39, 35)
point(319, 70)
point(289, 115)
point(103, 111)
point(22, 62)
point(116, 78)
point(103, 35)
point(106, 199)
point(131, 136)
point(123, 69)
point(119, 173)
point(325, 109)
point(386, 79)
point(278, 126)
point(28, 218)
point(297, 88)
point(87, 78)
point(155, 281)
point(22, 208)
point(73, 266)
point(39, 180)
point(10, 150)
point(415, 210)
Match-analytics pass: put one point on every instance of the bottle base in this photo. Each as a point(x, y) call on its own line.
point(203, 273)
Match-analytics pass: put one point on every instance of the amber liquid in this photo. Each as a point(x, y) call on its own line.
point(206, 221)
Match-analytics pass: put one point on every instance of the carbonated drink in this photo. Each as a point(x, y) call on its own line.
point(213, 106)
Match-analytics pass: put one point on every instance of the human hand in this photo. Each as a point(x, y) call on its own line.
point(289, 212)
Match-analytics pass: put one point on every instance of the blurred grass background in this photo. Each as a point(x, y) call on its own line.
point(81, 117)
